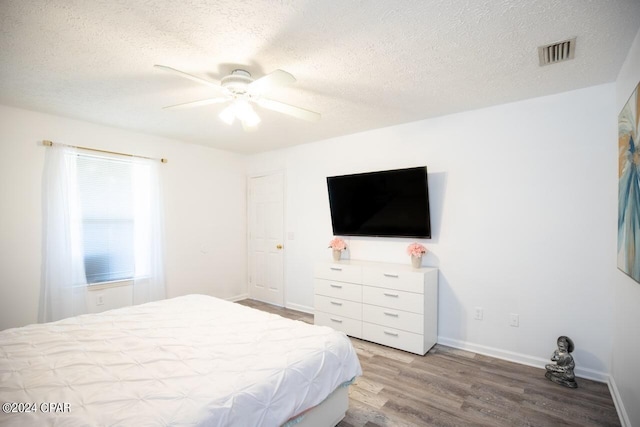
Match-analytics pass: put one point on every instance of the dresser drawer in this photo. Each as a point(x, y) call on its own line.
point(340, 307)
point(351, 327)
point(398, 319)
point(340, 271)
point(406, 301)
point(393, 337)
point(335, 289)
point(400, 278)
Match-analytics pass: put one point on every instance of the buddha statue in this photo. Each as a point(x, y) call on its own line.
point(561, 370)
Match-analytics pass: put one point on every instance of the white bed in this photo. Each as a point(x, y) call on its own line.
point(188, 361)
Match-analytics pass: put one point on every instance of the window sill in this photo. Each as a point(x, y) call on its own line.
point(107, 285)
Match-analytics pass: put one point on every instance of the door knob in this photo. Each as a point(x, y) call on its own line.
point(279, 247)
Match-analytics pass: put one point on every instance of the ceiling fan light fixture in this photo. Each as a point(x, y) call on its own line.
point(246, 113)
point(228, 115)
point(241, 110)
point(252, 121)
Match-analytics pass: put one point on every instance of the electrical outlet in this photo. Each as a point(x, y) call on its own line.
point(99, 299)
point(479, 313)
point(514, 320)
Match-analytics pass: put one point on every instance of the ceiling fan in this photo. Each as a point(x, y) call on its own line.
point(241, 90)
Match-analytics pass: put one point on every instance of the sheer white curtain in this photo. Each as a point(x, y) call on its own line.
point(148, 232)
point(87, 223)
point(63, 277)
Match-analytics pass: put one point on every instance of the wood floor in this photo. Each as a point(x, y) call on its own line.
point(450, 387)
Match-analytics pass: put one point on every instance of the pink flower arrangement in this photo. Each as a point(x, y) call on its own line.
point(337, 244)
point(416, 249)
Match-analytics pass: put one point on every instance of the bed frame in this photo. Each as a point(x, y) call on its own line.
point(329, 413)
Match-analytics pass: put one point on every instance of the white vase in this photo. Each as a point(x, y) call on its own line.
point(336, 255)
point(416, 261)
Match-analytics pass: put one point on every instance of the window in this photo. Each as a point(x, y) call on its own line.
point(105, 192)
point(102, 222)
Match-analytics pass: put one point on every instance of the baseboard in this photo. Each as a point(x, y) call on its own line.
point(299, 307)
point(238, 297)
point(617, 401)
point(523, 359)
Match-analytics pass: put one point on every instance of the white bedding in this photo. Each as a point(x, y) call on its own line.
point(193, 360)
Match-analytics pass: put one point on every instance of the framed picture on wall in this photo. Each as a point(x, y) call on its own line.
point(629, 188)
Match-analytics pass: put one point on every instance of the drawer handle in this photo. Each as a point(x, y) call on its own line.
point(335, 320)
point(390, 275)
point(336, 286)
point(391, 314)
point(336, 303)
point(391, 295)
point(393, 334)
point(336, 268)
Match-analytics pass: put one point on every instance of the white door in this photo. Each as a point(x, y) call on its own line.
point(266, 229)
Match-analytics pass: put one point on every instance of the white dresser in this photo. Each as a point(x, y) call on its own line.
point(390, 304)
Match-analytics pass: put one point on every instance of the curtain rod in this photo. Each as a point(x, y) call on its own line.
point(50, 143)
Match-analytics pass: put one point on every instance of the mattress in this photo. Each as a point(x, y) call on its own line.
point(188, 361)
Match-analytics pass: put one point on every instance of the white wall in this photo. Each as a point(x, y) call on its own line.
point(204, 199)
point(626, 338)
point(521, 198)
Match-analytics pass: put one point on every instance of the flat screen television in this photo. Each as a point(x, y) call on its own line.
point(392, 203)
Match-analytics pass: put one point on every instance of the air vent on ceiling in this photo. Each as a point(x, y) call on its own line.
point(557, 52)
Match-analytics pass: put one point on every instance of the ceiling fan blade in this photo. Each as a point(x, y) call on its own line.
point(280, 107)
point(197, 103)
point(215, 85)
point(276, 78)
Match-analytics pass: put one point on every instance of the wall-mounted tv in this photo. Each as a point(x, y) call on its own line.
point(392, 203)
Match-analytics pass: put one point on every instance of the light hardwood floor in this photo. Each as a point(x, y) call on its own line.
point(450, 387)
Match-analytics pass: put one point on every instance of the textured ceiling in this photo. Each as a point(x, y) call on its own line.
point(362, 64)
